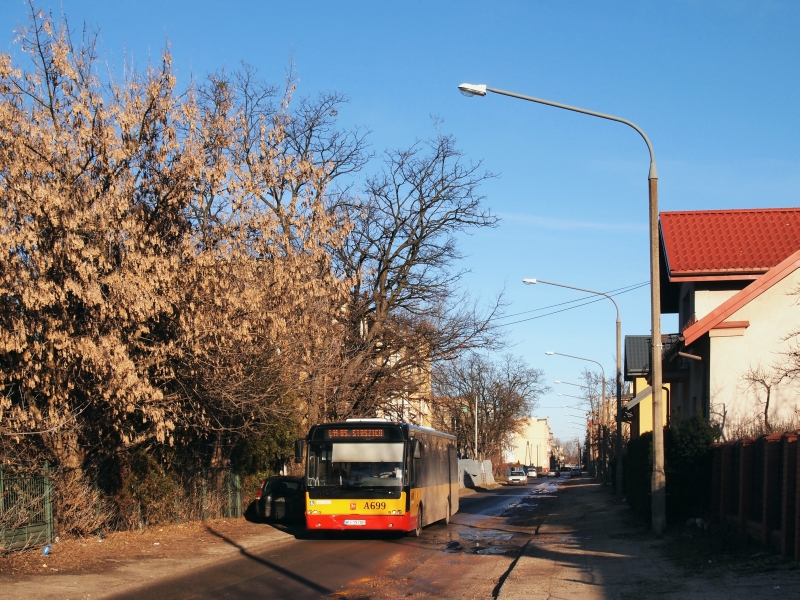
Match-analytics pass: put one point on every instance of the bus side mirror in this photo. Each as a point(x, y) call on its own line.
point(416, 449)
point(299, 445)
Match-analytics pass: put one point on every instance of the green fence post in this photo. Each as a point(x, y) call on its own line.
point(228, 494)
point(48, 502)
point(204, 507)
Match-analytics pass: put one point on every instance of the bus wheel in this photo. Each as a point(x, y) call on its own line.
point(418, 530)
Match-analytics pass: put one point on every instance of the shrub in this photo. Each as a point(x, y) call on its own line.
point(688, 458)
point(687, 466)
point(637, 470)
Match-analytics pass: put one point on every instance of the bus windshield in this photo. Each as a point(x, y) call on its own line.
point(339, 466)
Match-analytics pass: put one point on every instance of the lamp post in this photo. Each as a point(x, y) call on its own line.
point(580, 466)
point(476, 426)
point(602, 370)
point(602, 394)
point(568, 383)
point(569, 396)
point(588, 429)
point(618, 444)
point(657, 483)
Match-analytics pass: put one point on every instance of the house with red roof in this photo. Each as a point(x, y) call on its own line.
point(732, 278)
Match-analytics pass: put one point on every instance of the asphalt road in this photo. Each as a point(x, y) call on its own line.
point(477, 549)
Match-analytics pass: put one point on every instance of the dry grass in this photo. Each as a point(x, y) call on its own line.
point(94, 554)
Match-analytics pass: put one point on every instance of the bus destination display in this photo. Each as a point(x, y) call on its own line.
point(354, 433)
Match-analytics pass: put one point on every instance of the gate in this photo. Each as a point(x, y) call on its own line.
point(233, 496)
point(26, 510)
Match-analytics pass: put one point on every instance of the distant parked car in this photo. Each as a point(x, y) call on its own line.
point(531, 473)
point(281, 497)
point(552, 473)
point(517, 476)
point(564, 472)
point(575, 471)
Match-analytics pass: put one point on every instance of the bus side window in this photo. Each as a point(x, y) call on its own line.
point(411, 470)
point(422, 465)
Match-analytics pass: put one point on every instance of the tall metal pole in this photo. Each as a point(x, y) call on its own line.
point(618, 446)
point(657, 486)
point(605, 431)
point(602, 396)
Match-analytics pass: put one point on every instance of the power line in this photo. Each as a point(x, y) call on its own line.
point(612, 292)
point(571, 307)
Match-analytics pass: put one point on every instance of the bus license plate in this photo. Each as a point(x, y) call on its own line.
point(355, 522)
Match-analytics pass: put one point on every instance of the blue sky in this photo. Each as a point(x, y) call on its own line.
point(714, 85)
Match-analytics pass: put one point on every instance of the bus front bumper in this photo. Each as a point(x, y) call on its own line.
point(403, 522)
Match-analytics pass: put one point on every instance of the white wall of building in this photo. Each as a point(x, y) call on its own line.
point(772, 316)
point(706, 300)
point(532, 446)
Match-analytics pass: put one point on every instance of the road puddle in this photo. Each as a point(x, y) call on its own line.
point(483, 541)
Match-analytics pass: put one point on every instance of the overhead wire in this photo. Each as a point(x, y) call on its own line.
point(593, 296)
point(625, 291)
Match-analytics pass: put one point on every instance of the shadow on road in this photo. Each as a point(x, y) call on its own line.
point(204, 582)
point(291, 575)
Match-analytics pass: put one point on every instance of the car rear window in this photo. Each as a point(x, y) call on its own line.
point(281, 486)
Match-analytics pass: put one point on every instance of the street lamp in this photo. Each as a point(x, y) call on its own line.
point(657, 484)
point(568, 383)
point(618, 445)
point(551, 353)
point(602, 393)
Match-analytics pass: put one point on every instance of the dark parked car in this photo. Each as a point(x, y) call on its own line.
point(281, 498)
point(575, 471)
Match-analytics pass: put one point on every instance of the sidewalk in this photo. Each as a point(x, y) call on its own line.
point(114, 572)
point(590, 547)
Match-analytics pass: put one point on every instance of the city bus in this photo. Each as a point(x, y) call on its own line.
point(379, 475)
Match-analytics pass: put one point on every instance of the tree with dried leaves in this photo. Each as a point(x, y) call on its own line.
point(129, 316)
point(186, 269)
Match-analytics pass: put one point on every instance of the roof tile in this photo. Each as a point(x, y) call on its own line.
point(727, 242)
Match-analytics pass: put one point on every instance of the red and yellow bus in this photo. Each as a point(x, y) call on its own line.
point(380, 475)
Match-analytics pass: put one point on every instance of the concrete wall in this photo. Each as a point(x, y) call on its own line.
point(772, 316)
point(474, 473)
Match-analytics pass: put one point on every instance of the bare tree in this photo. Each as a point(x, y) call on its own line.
point(762, 381)
point(405, 309)
point(503, 392)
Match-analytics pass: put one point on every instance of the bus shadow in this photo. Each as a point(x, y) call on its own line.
point(348, 535)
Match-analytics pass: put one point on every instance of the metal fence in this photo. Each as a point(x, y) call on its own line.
point(26, 504)
point(26, 510)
